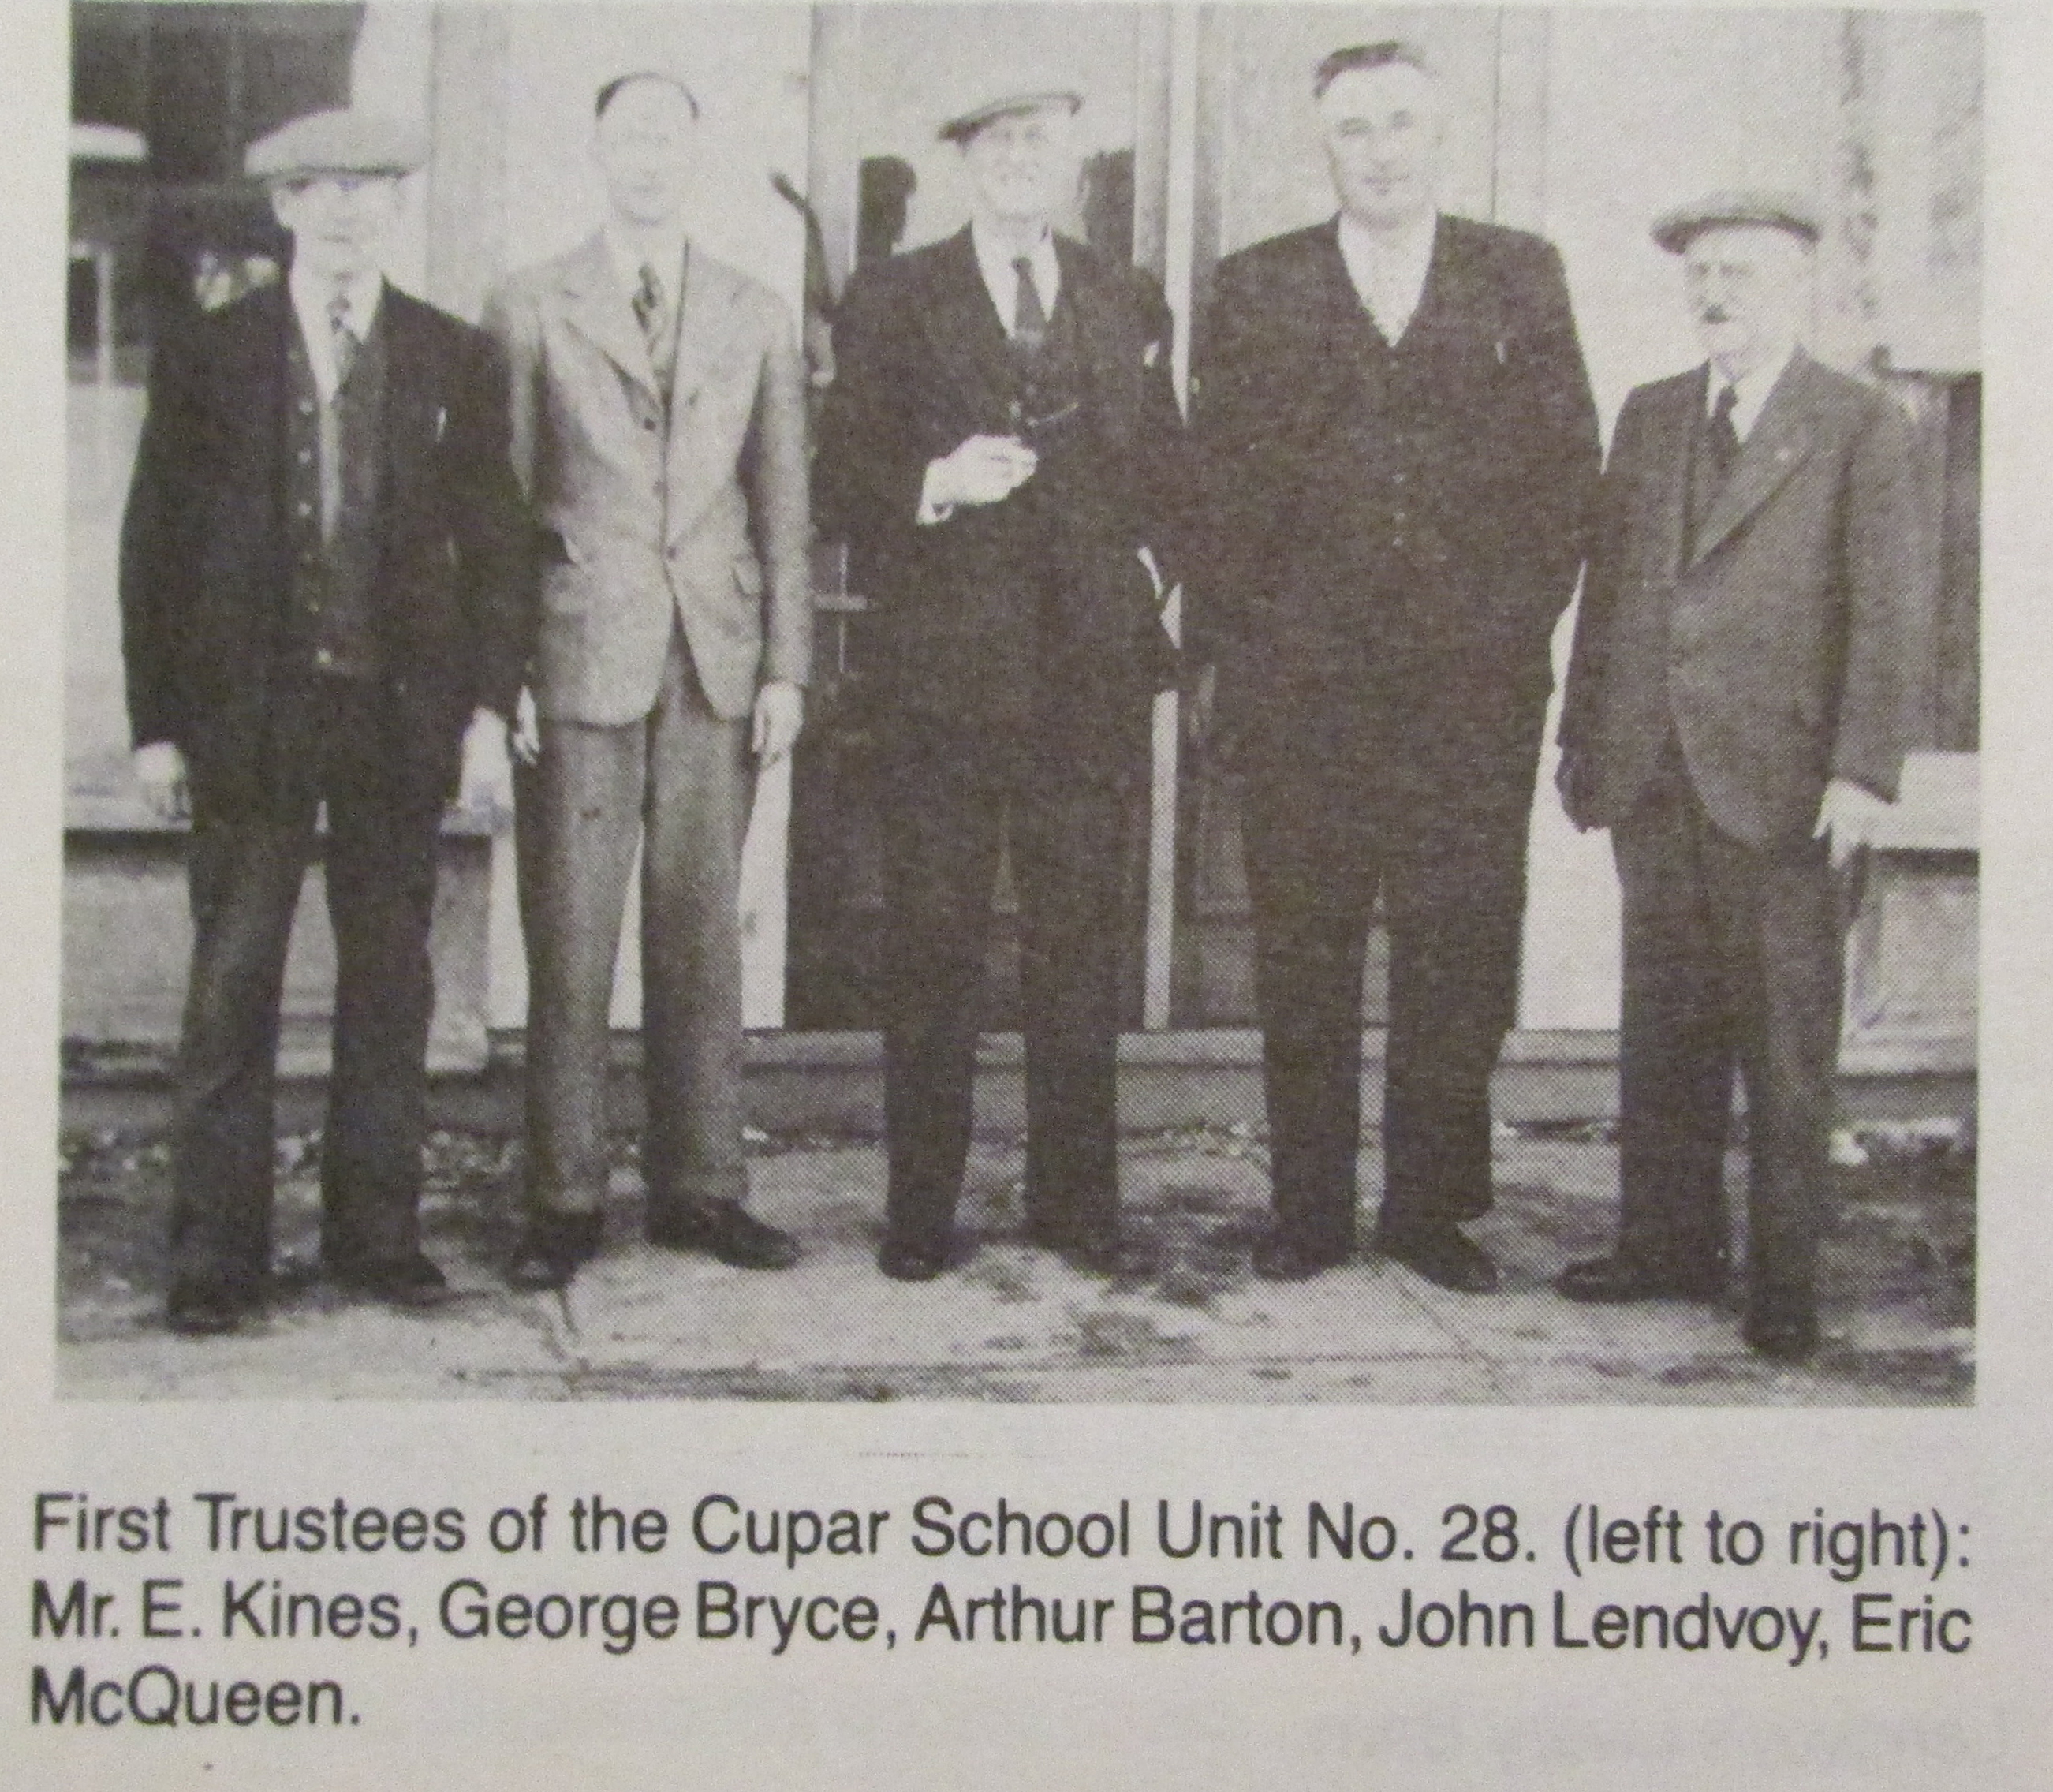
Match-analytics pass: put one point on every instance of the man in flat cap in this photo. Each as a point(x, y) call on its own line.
point(659, 430)
point(1732, 717)
point(1000, 446)
point(1400, 450)
point(326, 592)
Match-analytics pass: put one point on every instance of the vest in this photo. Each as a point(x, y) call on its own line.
point(334, 460)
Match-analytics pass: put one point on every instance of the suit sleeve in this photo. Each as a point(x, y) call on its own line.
point(495, 535)
point(163, 542)
point(514, 327)
point(1566, 447)
point(1881, 558)
point(777, 476)
point(1167, 495)
point(872, 463)
point(1231, 403)
point(1589, 656)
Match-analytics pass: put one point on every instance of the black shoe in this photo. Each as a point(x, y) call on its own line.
point(209, 1306)
point(1443, 1254)
point(1791, 1341)
point(409, 1281)
point(1609, 1281)
point(1279, 1257)
point(552, 1249)
point(723, 1229)
point(905, 1261)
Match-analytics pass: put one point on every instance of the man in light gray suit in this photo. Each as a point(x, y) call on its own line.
point(659, 424)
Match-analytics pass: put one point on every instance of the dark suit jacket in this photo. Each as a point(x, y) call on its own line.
point(919, 354)
point(207, 633)
point(1487, 459)
point(1775, 641)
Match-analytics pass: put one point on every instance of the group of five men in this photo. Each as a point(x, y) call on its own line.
point(372, 557)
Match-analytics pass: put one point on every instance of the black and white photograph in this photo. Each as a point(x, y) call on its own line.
point(1025, 893)
point(1256, 703)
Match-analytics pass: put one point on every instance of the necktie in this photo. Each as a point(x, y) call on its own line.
point(648, 307)
point(342, 338)
point(1030, 316)
point(1723, 438)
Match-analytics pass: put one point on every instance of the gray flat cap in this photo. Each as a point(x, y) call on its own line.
point(335, 142)
point(966, 124)
point(1675, 230)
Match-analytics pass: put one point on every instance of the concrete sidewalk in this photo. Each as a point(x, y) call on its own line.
point(1015, 1324)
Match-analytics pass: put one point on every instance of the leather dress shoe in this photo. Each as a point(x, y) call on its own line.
point(209, 1306)
point(1790, 1341)
point(1279, 1257)
point(912, 1259)
point(1608, 1281)
point(552, 1249)
point(1443, 1254)
point(411, 1280)
point(723, 1229)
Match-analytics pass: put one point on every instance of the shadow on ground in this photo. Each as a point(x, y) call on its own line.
point(1013, 1323)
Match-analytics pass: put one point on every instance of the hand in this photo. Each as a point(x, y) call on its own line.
point(160, 770)
point(1848, 818)
point(526, 737)
point(983, 470)
point(780, 713)
point(487, 785)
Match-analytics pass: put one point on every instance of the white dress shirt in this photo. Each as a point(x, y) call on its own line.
point(311, 294)
point(1750, 391)
point(1388, 270)
point(1001, 279)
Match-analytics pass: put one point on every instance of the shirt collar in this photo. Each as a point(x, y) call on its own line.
point(311, 294)
point(1750, 391)
point(1389, 266)
point(631, 251)
point(995, 260)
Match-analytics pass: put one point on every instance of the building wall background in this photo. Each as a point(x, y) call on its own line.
point(1580, 123)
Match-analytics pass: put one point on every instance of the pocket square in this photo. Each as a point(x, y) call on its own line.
point(441, 421)
point(1151, 354)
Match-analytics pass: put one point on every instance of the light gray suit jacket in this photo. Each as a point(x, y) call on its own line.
point(1773, 642)
point(716, 532)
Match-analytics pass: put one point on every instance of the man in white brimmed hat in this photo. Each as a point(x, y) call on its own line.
point(1732, 717)
point(1000, 445)
point(326, 595)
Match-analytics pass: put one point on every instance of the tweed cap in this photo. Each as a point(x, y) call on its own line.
point(1674, 231)
point(335, 142)
point(966, 122)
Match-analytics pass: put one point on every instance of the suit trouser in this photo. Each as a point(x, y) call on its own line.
point(1326, 828)
point(245, 874)
point(679, 784)
point(1732, 958)
point(951, 793)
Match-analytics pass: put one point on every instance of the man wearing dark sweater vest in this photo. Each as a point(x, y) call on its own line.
point(327, 593)
point(1400, 450)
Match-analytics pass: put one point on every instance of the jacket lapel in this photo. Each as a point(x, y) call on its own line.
point(963, 330)
point(702, 331)
point(413, 401)
point(599, 311)
point(1110, 353)
point(253, 388)
point(1674, 431)
point(1780, 442)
